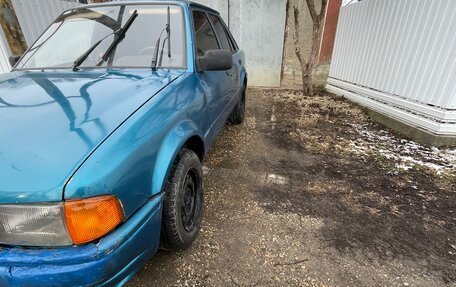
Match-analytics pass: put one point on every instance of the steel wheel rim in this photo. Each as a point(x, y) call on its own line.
point(189, 206)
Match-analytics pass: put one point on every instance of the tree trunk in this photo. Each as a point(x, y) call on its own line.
point(306, 76)
point(285, 38)
point(307, 86)
point(11, 28)
point(313, 58)
point(308, 65)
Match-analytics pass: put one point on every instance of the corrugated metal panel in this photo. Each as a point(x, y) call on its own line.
point(398, 57)
point(5, 66)
point(404, 48)
point(36, 15)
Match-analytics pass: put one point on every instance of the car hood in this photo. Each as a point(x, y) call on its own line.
point(51, 121)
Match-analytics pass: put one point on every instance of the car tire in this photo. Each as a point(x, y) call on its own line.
point(183, 203)
point(237, 115)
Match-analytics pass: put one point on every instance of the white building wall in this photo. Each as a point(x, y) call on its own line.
point(399, 58)
point(259, 29)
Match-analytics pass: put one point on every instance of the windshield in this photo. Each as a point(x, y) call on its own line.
point(76, 31)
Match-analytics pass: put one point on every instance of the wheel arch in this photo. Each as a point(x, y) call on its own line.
point(245, 80)
point(196, 144)
point(185, 135)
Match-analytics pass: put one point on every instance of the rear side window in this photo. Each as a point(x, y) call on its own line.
point(204, 35)
point(223, 38)
point(232, 41)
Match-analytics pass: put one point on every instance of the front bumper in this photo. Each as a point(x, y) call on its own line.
point(110, 262)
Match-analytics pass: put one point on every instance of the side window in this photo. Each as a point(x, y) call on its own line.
point(223, 38)
point(204, 35)
point(233, 47)
point(232, 41)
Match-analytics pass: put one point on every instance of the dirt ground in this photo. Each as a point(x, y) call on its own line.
point(310, 192)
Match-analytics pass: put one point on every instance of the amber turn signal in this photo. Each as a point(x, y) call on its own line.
point(91, 218)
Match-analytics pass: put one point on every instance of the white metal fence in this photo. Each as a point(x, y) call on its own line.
point(5, 66)
point(35, 16)
point(399, 58)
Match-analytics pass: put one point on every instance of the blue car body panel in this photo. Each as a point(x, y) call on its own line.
point(136, 158)
point(68, 135)
point(50, 116)
point(109, 262)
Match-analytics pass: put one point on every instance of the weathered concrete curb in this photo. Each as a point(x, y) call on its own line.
point(413, 133)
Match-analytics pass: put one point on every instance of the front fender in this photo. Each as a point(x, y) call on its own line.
point(168, 151)
point(132, 163)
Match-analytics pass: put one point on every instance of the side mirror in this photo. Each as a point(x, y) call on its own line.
point(215, 60)
point(13, 60)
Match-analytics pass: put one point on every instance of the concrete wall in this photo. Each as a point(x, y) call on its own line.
point(291, 70)
point(258, 26)
point(291, 73)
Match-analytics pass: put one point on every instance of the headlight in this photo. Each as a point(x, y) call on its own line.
point(59, 224)
point(33, 225)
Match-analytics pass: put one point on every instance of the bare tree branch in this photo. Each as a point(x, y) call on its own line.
point(291, 263)
point(285, 39)
point(309, 63)
point(311, 6)
point(323, 9)
point(296, 34)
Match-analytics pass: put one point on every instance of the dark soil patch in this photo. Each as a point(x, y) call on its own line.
point(366, 209)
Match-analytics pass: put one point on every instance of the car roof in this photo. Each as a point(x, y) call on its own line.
point(189, 3)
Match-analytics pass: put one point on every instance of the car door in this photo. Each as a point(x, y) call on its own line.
point(238, 59)
point(234, 72)
point(218, 85)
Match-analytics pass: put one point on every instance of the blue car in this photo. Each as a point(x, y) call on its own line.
point(104, 123)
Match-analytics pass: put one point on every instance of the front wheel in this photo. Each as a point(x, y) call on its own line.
point(237, 115)
point(183, 202)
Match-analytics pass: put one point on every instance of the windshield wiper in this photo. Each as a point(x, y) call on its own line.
point(119, 37)
point(167, 40)
point(86, 54)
